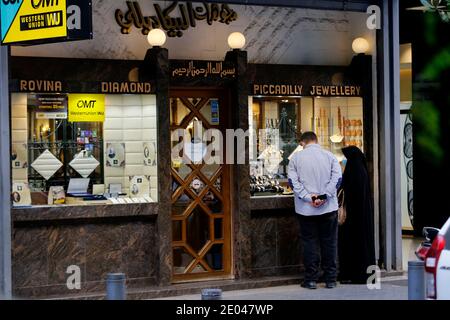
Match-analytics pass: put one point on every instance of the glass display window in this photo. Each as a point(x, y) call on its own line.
point(83, 149)
point(276, 124)
point(338, 123)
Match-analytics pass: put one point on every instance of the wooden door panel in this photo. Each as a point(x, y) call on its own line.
point(200, 193)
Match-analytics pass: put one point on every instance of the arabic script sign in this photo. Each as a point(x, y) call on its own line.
point(189, 14)
point(202, 69)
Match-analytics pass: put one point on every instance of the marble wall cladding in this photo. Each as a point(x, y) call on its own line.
point(264, 242)
point(41, 253)
point(29, 257)
point(66, 246)
point(77, 212)
point(275, 243)
point(289, 249)
point(103, 251)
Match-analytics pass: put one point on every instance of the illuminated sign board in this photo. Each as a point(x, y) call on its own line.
point(44, 21)
point(86, 107)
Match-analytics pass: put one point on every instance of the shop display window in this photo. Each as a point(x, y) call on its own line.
point(277, 123)
point(104, 154)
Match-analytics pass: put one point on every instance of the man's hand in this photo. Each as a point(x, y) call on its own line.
point(316, 203)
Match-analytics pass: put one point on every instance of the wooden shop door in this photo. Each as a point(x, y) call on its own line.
point(200, 192)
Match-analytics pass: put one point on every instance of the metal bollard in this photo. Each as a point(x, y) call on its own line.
point(211, 294)
point(416, 280)
point(115, 286)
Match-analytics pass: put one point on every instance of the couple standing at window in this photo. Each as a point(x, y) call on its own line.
point(315, 176)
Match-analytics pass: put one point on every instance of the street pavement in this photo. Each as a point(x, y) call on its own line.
point(393, 288)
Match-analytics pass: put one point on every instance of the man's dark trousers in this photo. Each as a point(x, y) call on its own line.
point(319, 237)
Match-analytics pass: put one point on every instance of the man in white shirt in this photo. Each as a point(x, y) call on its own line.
point(314, 174)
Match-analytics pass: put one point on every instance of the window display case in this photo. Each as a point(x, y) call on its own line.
point(276, 124)
point(106, 155)
point(338, 122)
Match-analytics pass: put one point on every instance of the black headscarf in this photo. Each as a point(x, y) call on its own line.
point(356, 235)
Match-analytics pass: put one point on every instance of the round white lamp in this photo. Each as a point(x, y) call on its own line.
point(236, 40)
point(360, 45)
point(156, 37)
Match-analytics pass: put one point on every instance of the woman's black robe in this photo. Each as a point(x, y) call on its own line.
point(356, 236)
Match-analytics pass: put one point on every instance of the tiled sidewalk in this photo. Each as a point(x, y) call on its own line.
point(391, 289)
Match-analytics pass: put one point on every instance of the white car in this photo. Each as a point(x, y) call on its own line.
point(437, 265)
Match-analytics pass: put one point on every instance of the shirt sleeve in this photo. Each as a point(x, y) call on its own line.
point(336, 175)
point(294, 180)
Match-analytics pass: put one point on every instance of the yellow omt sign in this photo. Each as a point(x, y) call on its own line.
point(85, 107)
point(33, 20)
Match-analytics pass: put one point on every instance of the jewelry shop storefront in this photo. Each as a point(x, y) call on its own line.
point(97, 187)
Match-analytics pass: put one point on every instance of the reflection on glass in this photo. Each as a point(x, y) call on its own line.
point(182, 203)
point(218, 225)
point(197, 229)
point(198, 268)
point(194, 101)
point(182, 170)
point(218, 184)
point(195, 150)
point(210, 111)
point(181, 259)
point(197, 185)
point(213, 202)
point(178, 111)
point(214, 257)
point(175, 185)
point(177, 230)
point(210, 169)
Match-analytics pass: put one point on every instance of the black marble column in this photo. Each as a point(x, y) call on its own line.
point(5, 184)
point(361, 72)
point(241, 172)
point(156, 67)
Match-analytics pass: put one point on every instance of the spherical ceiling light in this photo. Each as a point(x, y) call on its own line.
point(360, 45)
point(156, 37)
point(236, 40)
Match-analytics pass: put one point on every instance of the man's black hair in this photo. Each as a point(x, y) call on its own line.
point(308, 136)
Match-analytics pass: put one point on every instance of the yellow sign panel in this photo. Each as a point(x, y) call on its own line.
point(86, 107)
point(33, 20)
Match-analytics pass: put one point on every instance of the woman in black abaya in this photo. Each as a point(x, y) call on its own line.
point(356, 236)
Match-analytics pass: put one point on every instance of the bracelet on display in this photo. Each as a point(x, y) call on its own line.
point(265, 184)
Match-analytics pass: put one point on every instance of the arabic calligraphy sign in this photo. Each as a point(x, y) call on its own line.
point(202, 69)
point(189, 14)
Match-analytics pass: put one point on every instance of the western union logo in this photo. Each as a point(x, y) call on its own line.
point(33, 20)
point(40, 21)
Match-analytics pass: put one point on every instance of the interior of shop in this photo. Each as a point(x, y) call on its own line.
point(57, 160)
point(278, 123)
